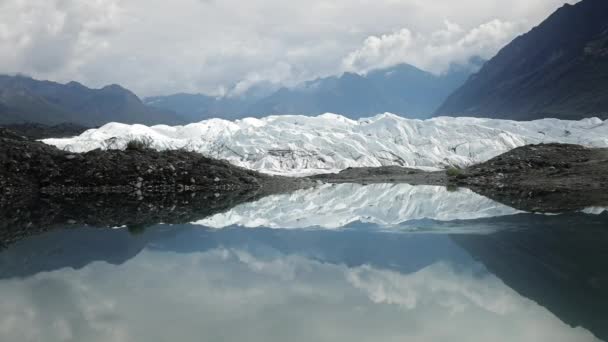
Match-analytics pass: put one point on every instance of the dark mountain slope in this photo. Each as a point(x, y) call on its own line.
point(23, 99)
point(350, 94)
point(198, 107)
point(558, 69)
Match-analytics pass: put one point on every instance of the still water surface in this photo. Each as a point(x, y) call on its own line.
point(376, 263)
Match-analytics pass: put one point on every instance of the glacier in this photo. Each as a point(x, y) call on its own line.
point(300, 145)
point(383, 206)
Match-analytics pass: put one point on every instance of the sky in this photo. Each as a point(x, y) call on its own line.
point(224, 47)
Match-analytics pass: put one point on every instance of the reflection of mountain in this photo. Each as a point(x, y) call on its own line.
point(560, 262)
point(229, 293)
point(75, 248)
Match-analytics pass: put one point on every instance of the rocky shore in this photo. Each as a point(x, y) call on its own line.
point(384, 174)
point(543, 178)
point(28, 166)
point(547, 177)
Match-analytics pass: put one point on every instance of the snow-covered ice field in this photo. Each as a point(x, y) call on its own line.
point(297, 145)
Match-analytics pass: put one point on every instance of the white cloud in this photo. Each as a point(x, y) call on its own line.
point(434, 52)
point(280, 73)
point(50, 36)
point(159, 46)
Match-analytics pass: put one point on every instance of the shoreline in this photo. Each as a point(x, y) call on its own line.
point(545, 177)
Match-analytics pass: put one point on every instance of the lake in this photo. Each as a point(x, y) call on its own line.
point(383, 262)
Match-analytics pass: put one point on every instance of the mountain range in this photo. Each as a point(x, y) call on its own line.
point(559, 69)
point(23, 99)
point(402, 89)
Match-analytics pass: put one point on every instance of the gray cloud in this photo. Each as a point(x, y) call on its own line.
point(157, 46)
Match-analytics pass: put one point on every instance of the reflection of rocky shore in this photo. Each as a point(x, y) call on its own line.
point(32, 215)
point(560, 262)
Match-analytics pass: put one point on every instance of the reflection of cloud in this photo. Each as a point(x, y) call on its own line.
point(335, 206)
point(438, 284)
point(228, 295)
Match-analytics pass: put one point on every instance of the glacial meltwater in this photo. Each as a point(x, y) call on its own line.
point(384, 262)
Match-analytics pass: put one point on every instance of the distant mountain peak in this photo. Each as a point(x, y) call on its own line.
point(115, 87)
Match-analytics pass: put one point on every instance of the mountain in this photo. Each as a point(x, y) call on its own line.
point(559, 69)
point(197, 107)
point(402, 89)
point(23, 99)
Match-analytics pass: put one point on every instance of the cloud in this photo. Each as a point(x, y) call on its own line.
point(158, 47)
point(434, 52)
point(48, 36)
point(280, 73)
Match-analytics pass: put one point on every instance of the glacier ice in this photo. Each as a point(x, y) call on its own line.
point(385, 206)
point(297, 145)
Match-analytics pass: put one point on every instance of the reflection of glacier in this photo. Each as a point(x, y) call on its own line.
point(298, 144)
point(335, 206)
